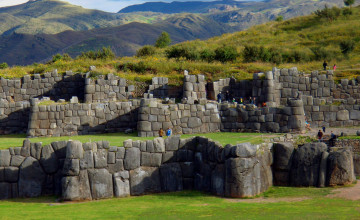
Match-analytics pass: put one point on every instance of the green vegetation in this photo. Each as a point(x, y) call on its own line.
point(163, 40)
point(3, 65)
point(147, 50)
point(117, 139)
point(190, 205)
point(350, 137)
point(304, 42)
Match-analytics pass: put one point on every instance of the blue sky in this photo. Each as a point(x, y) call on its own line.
point(105, 5)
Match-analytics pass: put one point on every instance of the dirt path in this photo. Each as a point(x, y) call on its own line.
point(350, 193)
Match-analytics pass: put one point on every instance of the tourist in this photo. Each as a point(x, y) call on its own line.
point(168, 132)
point(307, 125)
point(323, 128)
point(320, 135)
point(227, 96)
point(334, 67)
point(241, 100)
point(161, 133)
point(250, 100)
point(325, 65)
point(332, 139)
point(233, 101)
point(255, 101)
point(263, 104)
point(219, 97)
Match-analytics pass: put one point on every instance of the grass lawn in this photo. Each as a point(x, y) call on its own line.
point(117, 139)
point(189, 205)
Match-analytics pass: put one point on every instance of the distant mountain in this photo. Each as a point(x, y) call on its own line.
point(54, 16)
point(23, 49)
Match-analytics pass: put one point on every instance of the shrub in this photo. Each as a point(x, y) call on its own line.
point(104, 54)
point(163, 40)
point(207, 55)
point(183, 51)
point(347, 12)
point(226, 54)
point(347, 46)
point(276, 56)
point(4, 65)
point(321, 53)
point(56, 57)
point(251, 53)
point(349, 2)
point(279, 18)
point(147, 50)
point(329, 14)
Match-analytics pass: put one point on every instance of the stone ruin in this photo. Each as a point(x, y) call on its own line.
point(90, 171)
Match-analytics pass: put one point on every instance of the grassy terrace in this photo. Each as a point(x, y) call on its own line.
point(117, 139)
point(277, 203)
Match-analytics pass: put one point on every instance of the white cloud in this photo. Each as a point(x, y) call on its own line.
point(4, 3)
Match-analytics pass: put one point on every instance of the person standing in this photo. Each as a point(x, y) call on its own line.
point(168, 132)
point(320, 135)
point(324, 128)
point(161, 133)
point(325, 65)
point(334, 67)
point(219, 97)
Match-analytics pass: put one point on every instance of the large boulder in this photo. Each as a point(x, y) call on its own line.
point(172, 143)
point(49, 160)
point(283, 153)
point(144, 180)
point(31, 178)
point(5, 158)
point(132, 158)
point(306, 164)
point(121, 184)
point(75, 188)
point(340, 168)
point(101, 184)
point(5, 190)
point(74, 150)
point(218, 180)
point(171, 177)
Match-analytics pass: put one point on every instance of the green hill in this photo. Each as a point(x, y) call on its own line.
point(304, 42)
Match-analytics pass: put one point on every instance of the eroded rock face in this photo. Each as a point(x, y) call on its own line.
point(340, 168)
point(31, 178)
point(171, 177)
point(306, 164)
point(101, 183)
point(283, 153)
point(144, 180)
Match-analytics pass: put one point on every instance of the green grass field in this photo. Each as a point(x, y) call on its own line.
point(190, 205)
point(117, 139)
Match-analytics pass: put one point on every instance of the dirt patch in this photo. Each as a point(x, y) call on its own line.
point(269, 200)
point(350, 193)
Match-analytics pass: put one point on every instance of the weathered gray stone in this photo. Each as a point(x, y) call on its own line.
point(31, 178)
point(16, 160)
point(5, 190)
point(323, 169)
point(342, 115)
point(194, 122)
point(144, 180)
point(172, 143)
point(121, 184)
point(35, 150)
point(74, 150)
point(159, 145)
point(151, 159)
point(71, 167)
point(132, 158)
point(306, 164)
point(11, 174)
point(218, 180)
point(101, 184)
point(60, 148)
point(25, 150)
point(100, 158)
point(75, 188)
point(87, 162)
point(49, 160)
point(340, 168)
point(244, 150)
point(171, 177)
point(5, 158)
point(283, 153)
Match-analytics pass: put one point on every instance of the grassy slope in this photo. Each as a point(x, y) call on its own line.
point(187, 205)
point(117, 139)
point(299, 33)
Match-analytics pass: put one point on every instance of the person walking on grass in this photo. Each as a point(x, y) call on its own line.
point(161, 132)
point(168, 132)
point(325, 65)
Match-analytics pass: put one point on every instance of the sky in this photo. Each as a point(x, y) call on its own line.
point(104, 5)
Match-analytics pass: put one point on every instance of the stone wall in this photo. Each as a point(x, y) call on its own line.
point(354, 145)
point(107, 88)
point(312, 165)
point(52, 85)
point(88, 171)
point(194, 87)
point(14, 116)
point(76, 119)
point(76, 171)
point(213, 117)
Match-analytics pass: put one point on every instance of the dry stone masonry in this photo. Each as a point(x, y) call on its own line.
point(89, 171)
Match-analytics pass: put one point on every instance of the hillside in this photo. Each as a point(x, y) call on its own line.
point(310, 38)
point(54, 16)
point(24, 49)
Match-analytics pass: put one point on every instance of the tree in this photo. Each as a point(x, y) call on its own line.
point(146, 50)
point(4, 65)
point(330, 14)
point(226, 54)
point(347, 46)
point(163, 40)
point(349, 2)
point(279, 18)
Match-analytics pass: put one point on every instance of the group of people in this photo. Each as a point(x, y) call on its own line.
point(325, 64)
point(229, 98)
point(162, 132)
point(332, 139)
